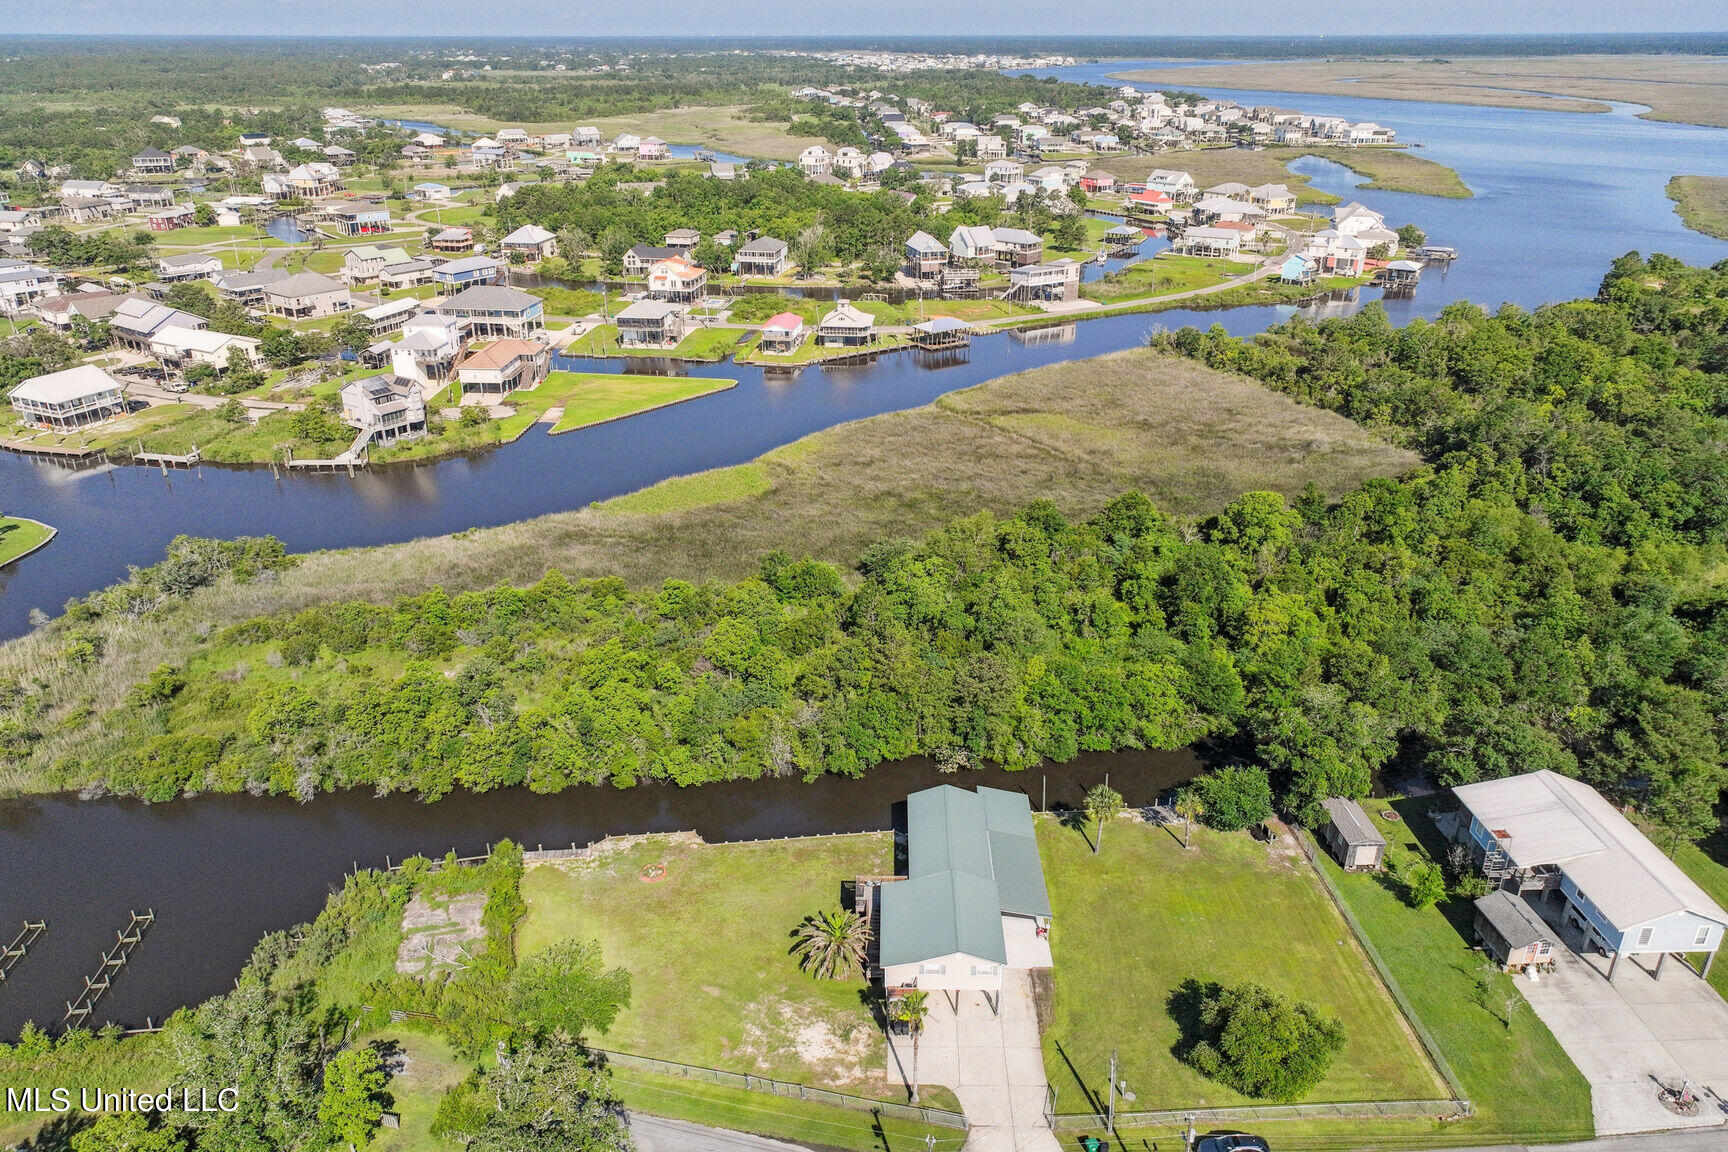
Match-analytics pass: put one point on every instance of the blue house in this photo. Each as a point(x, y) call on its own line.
point(1596, 872)
point(467, 272)
point(1298, 269)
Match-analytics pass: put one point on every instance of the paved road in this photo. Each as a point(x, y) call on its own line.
point(656, 1134)
point(1693, 1140)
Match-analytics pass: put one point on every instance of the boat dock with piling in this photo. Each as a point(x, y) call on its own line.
point(166, 460)
point(114, 959)
point(14, 952)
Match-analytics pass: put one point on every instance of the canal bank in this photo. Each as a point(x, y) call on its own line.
point(222, 871)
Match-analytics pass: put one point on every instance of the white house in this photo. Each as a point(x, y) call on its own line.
point(184, 347)
point(816, 160)
point(972, 244)
point(1176, 185)
point(1543, 832)
point(386, 408)
point(69, 399)
point(306, 295)
point(782, 334)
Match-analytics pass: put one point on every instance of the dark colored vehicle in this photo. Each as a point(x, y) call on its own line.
point(1235, 1142)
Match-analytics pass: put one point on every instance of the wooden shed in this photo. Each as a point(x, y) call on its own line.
point(1351, 836)
point(1511, 932)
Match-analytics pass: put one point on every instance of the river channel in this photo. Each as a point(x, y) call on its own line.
point(221, 871)
point(1558, 196)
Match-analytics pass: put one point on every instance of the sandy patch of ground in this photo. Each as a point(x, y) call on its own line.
point(440, 934)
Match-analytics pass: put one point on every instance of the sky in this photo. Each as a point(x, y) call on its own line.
point(852, 17)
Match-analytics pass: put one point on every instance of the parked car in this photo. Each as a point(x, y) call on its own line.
point(1232, 1142)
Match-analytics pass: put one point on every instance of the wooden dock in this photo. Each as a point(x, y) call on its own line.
point(14, 952)
point(59, 451)
point(113, 960)
point(166, 460)
point(355, 457)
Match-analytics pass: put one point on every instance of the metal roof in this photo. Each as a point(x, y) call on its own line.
point(1352, 823)
point(1513, 919)
point(1545, 818)
point(66, 385)
point(971, 857)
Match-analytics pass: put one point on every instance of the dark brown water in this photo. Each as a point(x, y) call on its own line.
point(221, 871)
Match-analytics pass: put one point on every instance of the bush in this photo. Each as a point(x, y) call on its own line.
point(1236, 797)
point(1424, 885)
point(1258, 1042)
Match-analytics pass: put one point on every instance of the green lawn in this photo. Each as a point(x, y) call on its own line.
point(19, 535)
point(432, 1071)
point(107, 1065)
point(1161, 275)
point(598, 398)
point(1429, 955)
point(708, 951)
point(1137, 920)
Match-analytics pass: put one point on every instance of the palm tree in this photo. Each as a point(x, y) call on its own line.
point(1102, 803)
point(1188, 807)
point(831, 945)
point(911, 1008)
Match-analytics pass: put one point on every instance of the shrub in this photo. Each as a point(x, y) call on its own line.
point(1258, 1042)
point(1236, 797)
point(1424, 885)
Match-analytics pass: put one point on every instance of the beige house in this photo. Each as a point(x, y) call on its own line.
point(504, 366)
point(305, 296)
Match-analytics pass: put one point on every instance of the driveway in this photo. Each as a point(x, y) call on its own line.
point(994, 1064)
point(658, 1134)
point(1627, 1036)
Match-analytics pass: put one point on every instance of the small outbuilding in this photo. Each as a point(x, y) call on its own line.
point(1511, 932)
point(1351, 836)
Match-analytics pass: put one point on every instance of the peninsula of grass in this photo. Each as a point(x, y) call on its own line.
point(20, 536)
point(1389, 169)
point(1463, 1006)
point(1702, 202)
point(1077, 433)
point(702, 343)
point(705, 931)
point(1135, 921)
point(1397, 170)
point(599, 398)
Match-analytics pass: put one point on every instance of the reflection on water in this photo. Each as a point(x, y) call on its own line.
point(221, 871)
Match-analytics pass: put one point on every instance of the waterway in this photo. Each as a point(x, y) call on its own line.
point(1558, 196)
point(221, 871)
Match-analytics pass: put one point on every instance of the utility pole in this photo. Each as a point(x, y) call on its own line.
point(1111, 1124)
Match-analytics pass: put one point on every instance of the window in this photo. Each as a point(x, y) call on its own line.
point(1703, 936)
point(932, 969)
point(986, 969)
point(1544, 948)
point(1644, 935)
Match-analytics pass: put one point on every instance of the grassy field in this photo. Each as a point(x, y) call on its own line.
point(1685, 89)
point(1394, 169)
point(698, 344)
point(721, 128)
point(139, 1062)
point(1077, 433)
point(708, 950)
point(1141, 917)
point(1462, 1006)
point(1163, 274)
point(431, 1071)
point(1702, 202)
point(20, 535)
point(599, 398)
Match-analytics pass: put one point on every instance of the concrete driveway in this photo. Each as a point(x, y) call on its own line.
point(994, 1063)
point(1627, 1036)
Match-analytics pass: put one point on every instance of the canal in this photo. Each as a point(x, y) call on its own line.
point(221, 871)
point(1558, 196)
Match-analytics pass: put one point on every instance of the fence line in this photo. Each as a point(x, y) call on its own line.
point(936, 1116)
point(1074, 1121)
point(1429, 1044)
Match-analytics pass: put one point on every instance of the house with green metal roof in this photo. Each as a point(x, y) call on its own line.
point(973, 901)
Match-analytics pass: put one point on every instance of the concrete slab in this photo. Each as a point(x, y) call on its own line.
point(1633, 1036)
point(993, 1062)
